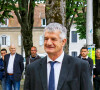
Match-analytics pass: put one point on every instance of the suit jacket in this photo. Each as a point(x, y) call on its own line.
point(90, 61)
point(74, 75)
point(2, 72)
point(18, 66)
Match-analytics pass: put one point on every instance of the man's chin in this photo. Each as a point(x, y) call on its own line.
point(49, 52)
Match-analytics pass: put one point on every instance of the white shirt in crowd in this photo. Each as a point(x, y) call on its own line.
point(11, 64)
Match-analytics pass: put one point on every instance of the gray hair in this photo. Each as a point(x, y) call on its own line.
point(97, 49)
point(56, 26)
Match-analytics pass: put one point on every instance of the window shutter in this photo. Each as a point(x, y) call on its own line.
point(19, 40)
point(8, 41)
point(41, 40)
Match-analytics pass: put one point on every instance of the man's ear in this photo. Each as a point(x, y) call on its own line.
point(64, 41)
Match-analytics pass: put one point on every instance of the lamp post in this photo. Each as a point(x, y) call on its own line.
point(89, 30)
point(89, 23)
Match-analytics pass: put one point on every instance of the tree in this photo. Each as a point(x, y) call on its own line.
point(5, 9)
point(96, 23)
point(24, 10)
point(55, 8)
point(80, 20)
point(55, 11)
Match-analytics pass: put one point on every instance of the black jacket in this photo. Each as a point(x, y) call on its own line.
point(18, 66)
point(90, 61)
point(30, 60)
point(74, 75)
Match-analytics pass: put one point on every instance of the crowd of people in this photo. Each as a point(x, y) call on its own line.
point(56, 71)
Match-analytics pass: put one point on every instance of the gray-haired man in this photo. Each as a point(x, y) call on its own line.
point(57, 71)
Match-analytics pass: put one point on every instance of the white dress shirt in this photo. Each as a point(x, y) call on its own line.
point(57, 68)
point(11, 64)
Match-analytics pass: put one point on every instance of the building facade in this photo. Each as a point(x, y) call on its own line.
point(75, 44)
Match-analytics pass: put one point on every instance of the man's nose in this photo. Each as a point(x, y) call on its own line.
point(49, 41)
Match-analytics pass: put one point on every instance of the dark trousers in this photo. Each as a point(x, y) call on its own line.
point(96, 83)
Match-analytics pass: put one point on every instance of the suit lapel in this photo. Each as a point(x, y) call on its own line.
point(64, 71)
point(43, 73)
point(15, 59)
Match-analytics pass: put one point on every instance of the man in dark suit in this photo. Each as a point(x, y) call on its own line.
point(84, 56)
point(2, 72)
point(96, 71)
point(13, 68)
point(57, 71)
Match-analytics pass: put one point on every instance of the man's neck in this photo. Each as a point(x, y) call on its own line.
point(12, 54)
point(33, 55)
point(54, 56)
point(98, 58)
point(84, 56)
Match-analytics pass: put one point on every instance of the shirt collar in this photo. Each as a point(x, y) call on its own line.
point(13, 54)
point(59, 59)
point(85, 57)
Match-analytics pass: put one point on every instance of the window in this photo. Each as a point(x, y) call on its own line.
point(4, 40)
point(74, 36)
point(5, 24)
point(74, 54)
point(43, 22)
point(41, 41)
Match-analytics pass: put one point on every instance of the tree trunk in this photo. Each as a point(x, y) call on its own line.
point(56, 11)
point(96, 22)
point(27, 40)
point(25, 18)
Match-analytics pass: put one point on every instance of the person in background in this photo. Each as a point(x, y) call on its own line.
point(2, 72)
point(34, 56)
point(96, 71)
point(13, 64)
point(84, 56)
point(57, 71)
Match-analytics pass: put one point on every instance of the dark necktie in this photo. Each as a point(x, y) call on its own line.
point(84, 58)
point(51, 77)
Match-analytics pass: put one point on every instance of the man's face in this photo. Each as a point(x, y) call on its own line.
point(98, 53)
point(3, 53)
point(84, 52)
point(33, 51)
point(12, 49)
point(53, 43)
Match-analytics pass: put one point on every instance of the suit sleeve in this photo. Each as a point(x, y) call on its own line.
point(86, 81)
point(91, 65)
point(21, 63)
point(27, 81)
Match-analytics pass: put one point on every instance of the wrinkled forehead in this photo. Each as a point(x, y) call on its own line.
point(12, 47)
point(97, 51)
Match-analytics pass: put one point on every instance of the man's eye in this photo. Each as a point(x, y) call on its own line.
point(54, 39)
point(45, 38)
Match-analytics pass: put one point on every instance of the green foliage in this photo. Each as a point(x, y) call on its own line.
point(76, 11)
point(5, 9)
point(80, 20)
